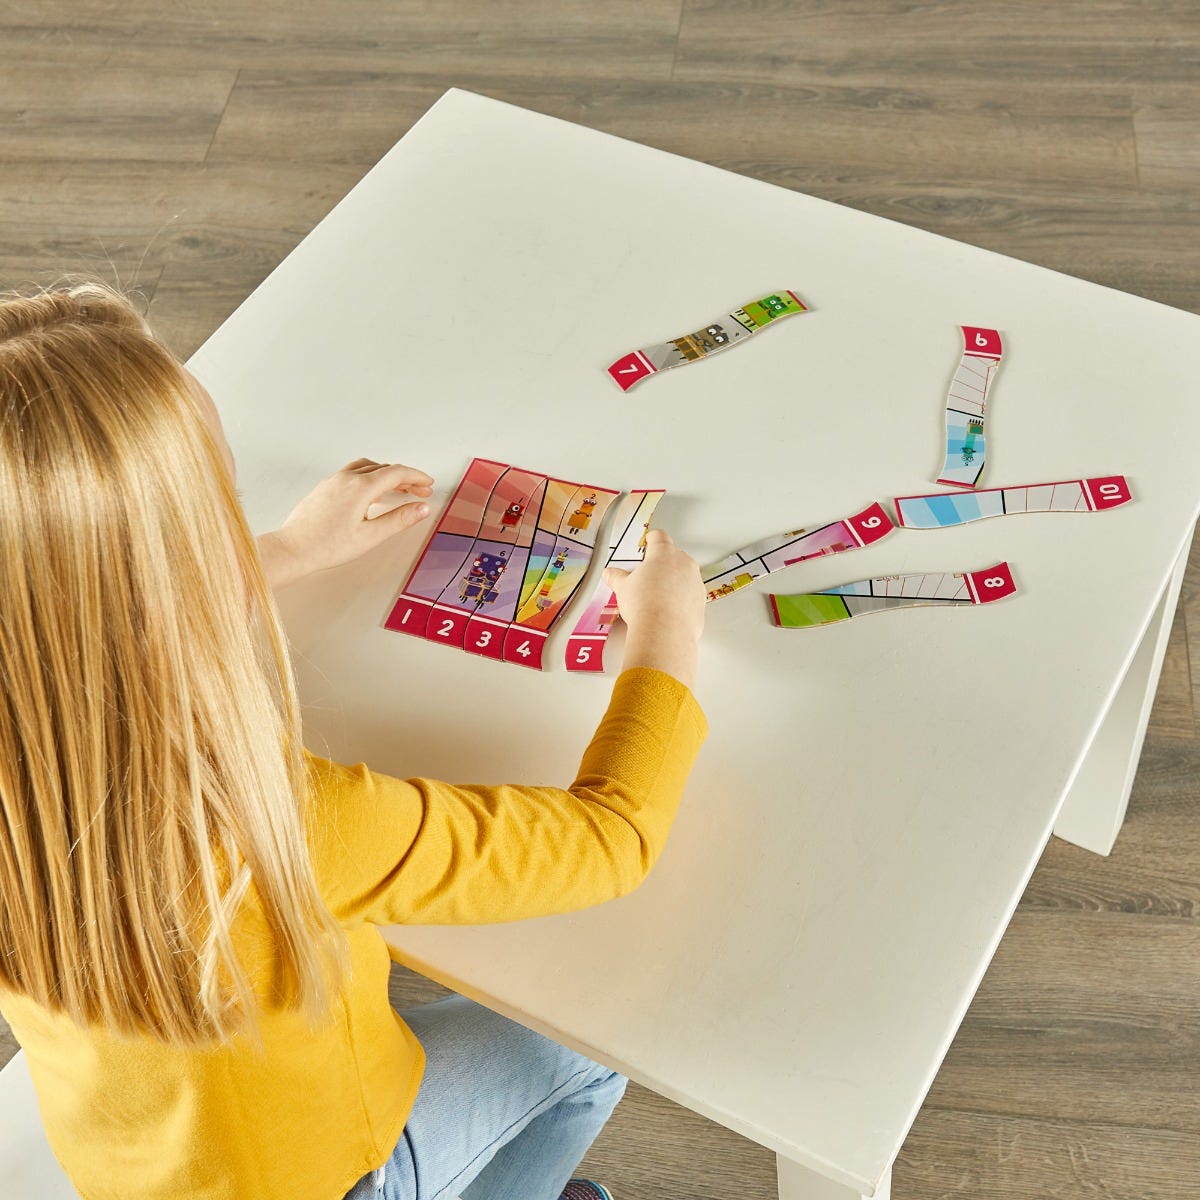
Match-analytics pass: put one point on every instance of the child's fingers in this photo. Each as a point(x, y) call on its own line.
point(400, 518)
point(396, 477)
point(657, 538)
point(613, 576)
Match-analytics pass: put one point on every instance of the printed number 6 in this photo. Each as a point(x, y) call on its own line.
point(980, 340)
point(872, 523)
point(994, 581)
point(584, 655)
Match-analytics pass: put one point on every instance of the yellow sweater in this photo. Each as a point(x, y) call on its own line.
point(316, 1110)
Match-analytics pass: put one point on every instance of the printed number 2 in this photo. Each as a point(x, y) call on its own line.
point(447, 626)
point(583, 655)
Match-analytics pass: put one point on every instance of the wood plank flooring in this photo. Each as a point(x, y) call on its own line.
point(185, 149)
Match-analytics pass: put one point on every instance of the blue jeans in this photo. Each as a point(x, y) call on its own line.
point(502, 1113)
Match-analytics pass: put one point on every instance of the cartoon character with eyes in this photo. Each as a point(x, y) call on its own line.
point(480, 583)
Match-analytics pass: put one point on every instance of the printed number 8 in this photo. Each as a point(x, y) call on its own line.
point(994, 581)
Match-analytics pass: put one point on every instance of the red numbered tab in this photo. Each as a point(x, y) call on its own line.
point(994, 583)
point(447, 625)
point(410, 614)
point(524, 647)
point(981, 343)
point(628, 370)
point(485, 637)
point(870, 525)
point(586, 653)
point(1107, 491)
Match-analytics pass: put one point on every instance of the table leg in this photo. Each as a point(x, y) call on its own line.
point(1095, 806)
point(799, 1183)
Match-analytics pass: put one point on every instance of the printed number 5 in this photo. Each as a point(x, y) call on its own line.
point(583, 655)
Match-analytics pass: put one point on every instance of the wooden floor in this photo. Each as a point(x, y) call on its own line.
point(185, 149)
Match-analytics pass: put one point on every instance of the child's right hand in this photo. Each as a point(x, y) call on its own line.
point(663, 604)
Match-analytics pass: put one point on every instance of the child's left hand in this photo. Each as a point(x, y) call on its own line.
point(330, 525)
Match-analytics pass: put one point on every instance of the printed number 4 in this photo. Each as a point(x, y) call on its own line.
point(523, 649)
point(583, 655)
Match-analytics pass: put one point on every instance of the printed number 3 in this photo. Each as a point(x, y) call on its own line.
point(485, 637)
point(583, 655)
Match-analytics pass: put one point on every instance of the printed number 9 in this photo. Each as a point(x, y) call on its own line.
point(994, 581)
point(872, 523)
point(584, 655)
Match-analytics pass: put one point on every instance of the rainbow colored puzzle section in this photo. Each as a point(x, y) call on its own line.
point(504, 561)
point(726, 331)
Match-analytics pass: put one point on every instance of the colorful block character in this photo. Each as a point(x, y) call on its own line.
point(480, 582)
point(512, 514)
point(581, 518)
point(704, 341)
point(608, 614)
point(554, 571)
point(974, 430)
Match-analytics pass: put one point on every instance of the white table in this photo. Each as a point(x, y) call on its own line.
point(874, 796)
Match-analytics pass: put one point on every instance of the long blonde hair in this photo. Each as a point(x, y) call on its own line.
point(151, 771)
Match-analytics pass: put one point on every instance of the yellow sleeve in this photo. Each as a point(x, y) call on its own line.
point(391, 851)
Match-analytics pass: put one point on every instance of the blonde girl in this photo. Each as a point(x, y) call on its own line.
point(189, 900)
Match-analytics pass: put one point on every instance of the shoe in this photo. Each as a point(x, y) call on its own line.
point(585, 1189)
